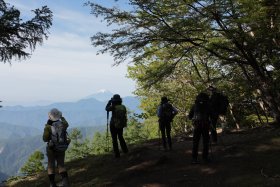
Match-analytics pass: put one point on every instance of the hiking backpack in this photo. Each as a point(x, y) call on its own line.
point(120, 118)
point(59, 139)
point(223, 104)
point(166, 112)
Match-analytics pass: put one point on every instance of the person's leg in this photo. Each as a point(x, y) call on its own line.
point(196, 138)
point(115, 141)
point(206, 137)
point(168, 134)
point(51, 167)
point(122, 141)
point(162, 130)
point(60, 157)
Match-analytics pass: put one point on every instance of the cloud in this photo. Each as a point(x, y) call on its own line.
point(66, 66)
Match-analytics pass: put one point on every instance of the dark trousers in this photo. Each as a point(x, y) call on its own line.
point(116, 134)
point(55, 158)
point(165, 129)
point(200, 129)
point(214, 120)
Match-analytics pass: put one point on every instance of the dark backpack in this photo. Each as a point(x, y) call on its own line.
point(220, 103)
point(166, 113)
point(59, 140)
point(120, 118)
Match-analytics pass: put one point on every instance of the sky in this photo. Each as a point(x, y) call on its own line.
point(66, 67)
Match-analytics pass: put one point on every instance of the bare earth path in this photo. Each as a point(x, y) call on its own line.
point(245, 158)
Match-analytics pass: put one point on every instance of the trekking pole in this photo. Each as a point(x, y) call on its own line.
point(210, 143)
point(210, 147)
point(107, 133)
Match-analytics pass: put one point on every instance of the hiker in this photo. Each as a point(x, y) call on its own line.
point(200, 114)
point(166, 112)
point(218, 104)
point(117, 123)
point(57, 143)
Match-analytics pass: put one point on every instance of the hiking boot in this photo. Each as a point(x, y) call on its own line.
point(65, 179)
point(52, 181)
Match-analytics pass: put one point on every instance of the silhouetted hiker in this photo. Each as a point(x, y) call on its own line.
point(117, 123)
point(200, 114)
point(56, 136)
point(218, 104)
point(166, 112)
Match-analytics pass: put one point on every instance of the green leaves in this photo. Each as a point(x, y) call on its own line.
point(34, 164)
point(17, 36)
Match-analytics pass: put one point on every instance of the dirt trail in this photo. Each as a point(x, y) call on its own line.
point(245, 158)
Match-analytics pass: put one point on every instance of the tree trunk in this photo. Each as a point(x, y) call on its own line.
point(233, 117)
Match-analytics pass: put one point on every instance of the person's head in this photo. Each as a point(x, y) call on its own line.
point(116, 99)
point(211, 89)
point(164, 100)
point(201, 98)
point(55, 114)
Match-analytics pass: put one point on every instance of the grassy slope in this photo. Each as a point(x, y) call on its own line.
point(245, 158)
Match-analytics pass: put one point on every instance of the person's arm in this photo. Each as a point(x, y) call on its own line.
point(47, 133)
point(109, 106)
point(64, 122)
point(175, 111)
point(191, 113)
point(159, 110)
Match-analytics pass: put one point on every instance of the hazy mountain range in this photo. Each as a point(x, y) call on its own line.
point(21, 127)
point(89, 111)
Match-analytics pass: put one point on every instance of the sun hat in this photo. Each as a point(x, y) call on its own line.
point(55, 114)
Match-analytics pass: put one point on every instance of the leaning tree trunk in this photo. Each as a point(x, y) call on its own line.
point(271, 98)
point(265, 86)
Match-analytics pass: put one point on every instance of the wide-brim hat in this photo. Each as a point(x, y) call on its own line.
point(55, 114)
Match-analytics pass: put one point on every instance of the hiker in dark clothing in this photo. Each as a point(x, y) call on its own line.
point(53, 155)
point(218, 104)
point(117, 123)
point(200, 114)
point(166, 112)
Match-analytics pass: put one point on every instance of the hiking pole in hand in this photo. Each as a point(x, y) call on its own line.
point(107, 133)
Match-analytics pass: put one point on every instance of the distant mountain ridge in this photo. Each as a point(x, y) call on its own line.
point(101, 95)
point(85, 112)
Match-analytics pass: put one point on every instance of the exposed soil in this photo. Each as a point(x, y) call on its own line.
point(243, 158)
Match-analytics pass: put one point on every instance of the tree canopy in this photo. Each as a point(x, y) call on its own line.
point(17, 36)
point(240, 37)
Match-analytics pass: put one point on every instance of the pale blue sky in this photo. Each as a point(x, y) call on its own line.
point(65, 67)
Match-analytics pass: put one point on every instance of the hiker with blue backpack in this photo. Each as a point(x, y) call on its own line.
point(200, 114)
point(117, 123)
point(166, 112)
point(55, 135)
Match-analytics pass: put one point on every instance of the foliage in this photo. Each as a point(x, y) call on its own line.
point(79, 148)
point(135, 132)
point(34, 164)
point(16, 36)
point(101, 143)
point(162, 37)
